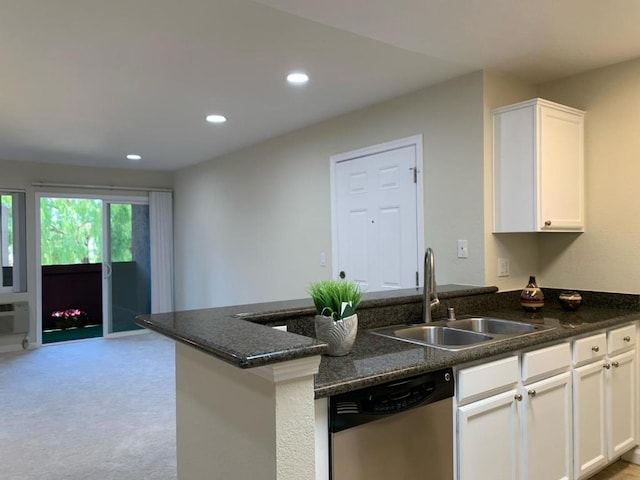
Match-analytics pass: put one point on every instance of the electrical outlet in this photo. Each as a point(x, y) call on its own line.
point(463, 249)
point(503, 267)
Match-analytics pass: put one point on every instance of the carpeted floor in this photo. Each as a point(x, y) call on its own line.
point(94, 409)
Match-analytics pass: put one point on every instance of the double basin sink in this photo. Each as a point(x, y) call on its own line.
point(459, 334)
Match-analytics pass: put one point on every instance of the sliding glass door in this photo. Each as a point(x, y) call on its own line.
point(94, 276)
point(126, 265)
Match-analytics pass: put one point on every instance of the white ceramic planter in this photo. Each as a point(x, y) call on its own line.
point(339, 334)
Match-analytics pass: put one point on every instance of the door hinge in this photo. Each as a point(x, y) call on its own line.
point(417, 279)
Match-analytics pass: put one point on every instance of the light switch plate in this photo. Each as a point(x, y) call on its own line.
point(463, 249)
point(503, 267)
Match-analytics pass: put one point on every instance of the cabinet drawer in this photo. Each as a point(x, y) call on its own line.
point(621, 338)
point(487, 379)
point(589, 349)
point(545, 362)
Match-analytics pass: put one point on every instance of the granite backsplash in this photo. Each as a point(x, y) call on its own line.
point(378, 312)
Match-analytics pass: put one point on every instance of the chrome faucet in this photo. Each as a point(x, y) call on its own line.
point(430, 294)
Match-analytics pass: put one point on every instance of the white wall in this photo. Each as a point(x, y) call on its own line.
point(605, 257)
point(250, 226)
point(21, 175)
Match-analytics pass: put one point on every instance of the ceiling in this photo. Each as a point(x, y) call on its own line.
point(86, 82)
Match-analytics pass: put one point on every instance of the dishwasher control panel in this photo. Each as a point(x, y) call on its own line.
point(362, 406)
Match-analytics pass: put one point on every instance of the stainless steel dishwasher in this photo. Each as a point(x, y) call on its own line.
point(396, 431)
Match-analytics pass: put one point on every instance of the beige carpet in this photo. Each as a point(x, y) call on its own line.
point(94, 409)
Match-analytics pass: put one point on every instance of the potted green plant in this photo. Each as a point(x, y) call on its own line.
point(336, 321)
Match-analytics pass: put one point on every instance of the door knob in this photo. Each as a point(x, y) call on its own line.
point(342, 274)
point(615, 364)
point(627, 338)
point(607, 366)
point(518, 397)
point(596, 348)
point(547, 223)
point(532, 393)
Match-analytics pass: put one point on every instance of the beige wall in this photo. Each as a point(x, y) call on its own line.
point(521, 249)
point(250, 226)
point(233, 424)
point(606, 256)
point(21, 175)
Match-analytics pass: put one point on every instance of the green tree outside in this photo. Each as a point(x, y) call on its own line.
point(71, 231)
point(6, 205)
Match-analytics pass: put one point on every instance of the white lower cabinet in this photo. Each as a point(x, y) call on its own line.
point(604, 400)
point(546, 429)
point(590, 443)
point(524, 432)
point(621, 403)
point(488, 438)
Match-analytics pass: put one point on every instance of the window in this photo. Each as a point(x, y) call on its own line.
point(12, 242)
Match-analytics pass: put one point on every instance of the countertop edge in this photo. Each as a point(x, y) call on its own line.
point(233, 334)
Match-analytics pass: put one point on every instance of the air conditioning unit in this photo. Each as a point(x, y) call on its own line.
point(14, 318)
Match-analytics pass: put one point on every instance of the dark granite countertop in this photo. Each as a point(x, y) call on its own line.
point(239, 334)
point(235, 334)
point(376, 359)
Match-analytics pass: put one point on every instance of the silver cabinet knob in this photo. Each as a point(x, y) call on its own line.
point(595, 348)
point(627, 338)
point(518, 397)
point(607, 366)
point(547, 223)
point(615, 364)
point(532, 393)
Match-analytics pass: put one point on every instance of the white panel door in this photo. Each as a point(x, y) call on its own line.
point(376, 209)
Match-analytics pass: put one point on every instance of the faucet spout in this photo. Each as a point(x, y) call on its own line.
point(430, 294)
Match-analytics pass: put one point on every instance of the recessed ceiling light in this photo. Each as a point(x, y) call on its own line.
point(134, 157)
point(216, 118)
point(297, 78)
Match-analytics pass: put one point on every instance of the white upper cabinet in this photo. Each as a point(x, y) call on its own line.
point(538, 168)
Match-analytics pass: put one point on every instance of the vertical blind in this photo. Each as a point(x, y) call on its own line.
point(161, 226)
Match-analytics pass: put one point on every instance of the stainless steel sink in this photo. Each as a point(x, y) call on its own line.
point(493, 325)
point(459, 334)
point(438, 335)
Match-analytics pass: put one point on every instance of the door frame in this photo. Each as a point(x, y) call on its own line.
point(415, 141)
point(38, 245)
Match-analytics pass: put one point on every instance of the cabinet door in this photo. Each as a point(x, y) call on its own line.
point(561, 170)
point(590, 446)
point(621, 404)
point(547, 431)
point(488, 438)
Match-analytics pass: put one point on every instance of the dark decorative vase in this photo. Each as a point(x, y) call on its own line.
point(532, 298)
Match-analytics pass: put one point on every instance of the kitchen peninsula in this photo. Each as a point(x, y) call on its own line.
point(248, 395)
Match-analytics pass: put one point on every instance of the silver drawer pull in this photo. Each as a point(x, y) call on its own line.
point(532, 393)
point(607, 366)
point(615, 364)
point(518, 397)
point(595, 348)
point(627, 338)
point(547, 223)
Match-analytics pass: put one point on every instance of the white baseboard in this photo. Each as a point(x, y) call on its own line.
point(632, 456)
point(14, 347)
